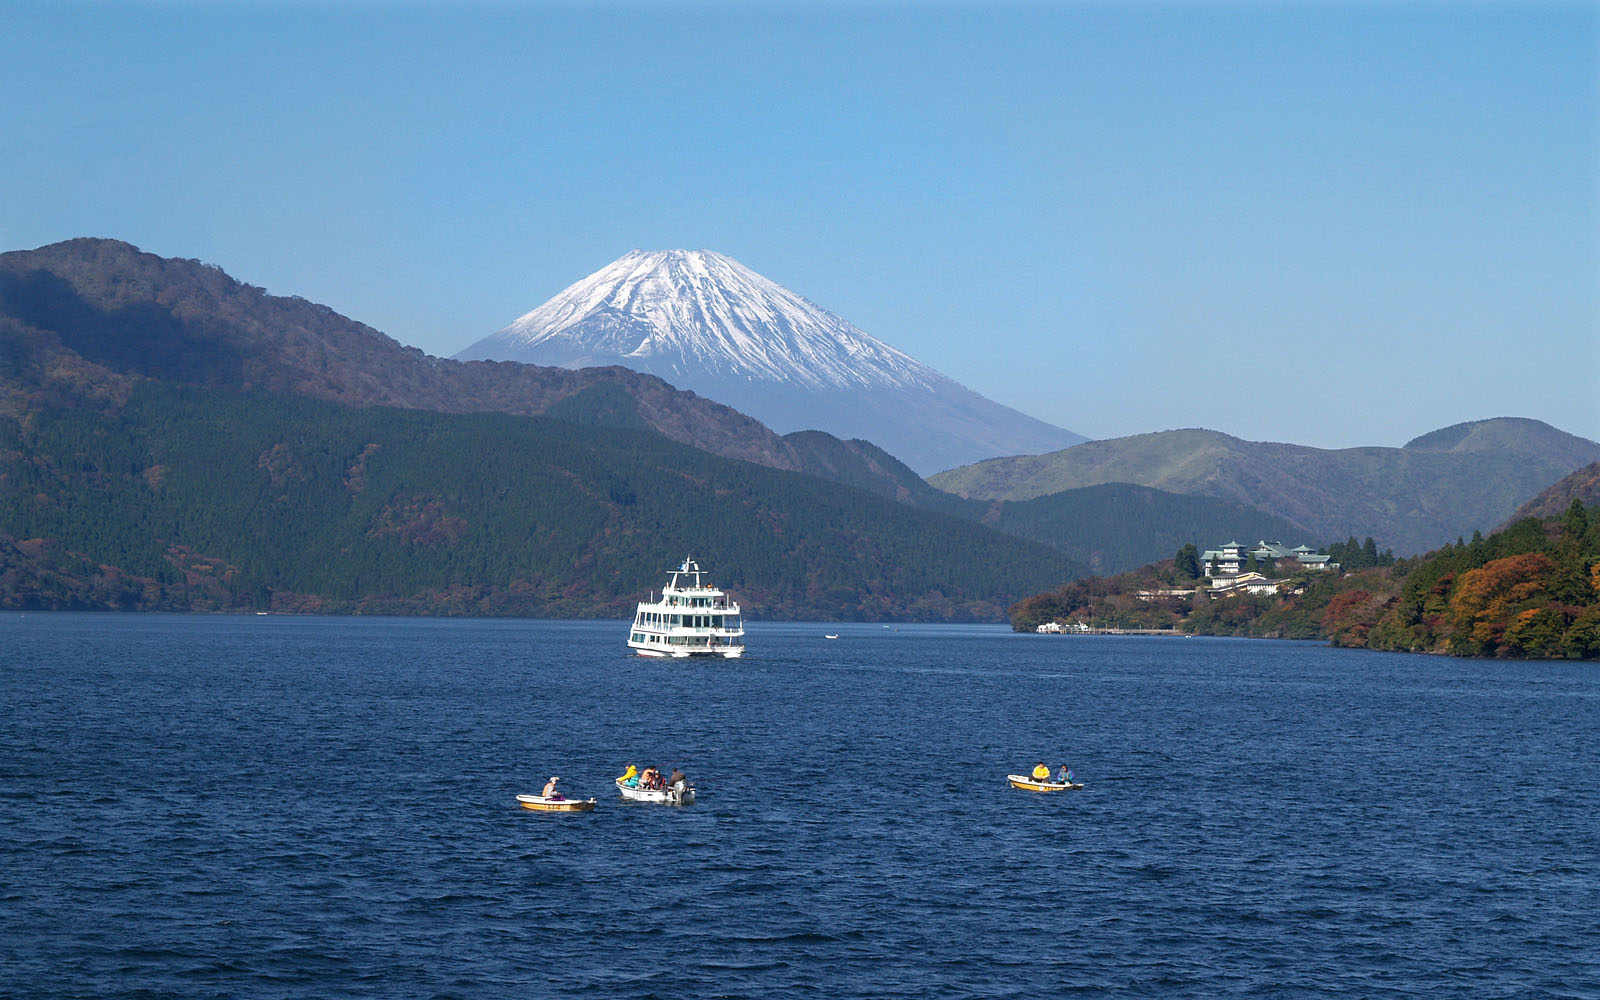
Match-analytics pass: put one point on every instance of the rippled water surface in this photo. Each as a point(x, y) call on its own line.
point(272, 806)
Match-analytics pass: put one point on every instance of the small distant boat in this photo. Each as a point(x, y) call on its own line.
point(539, 803)
point(693, 618)
point(680, 793)
point(827, 635)
point(1028, 784)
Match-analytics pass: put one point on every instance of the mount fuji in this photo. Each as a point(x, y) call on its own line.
point(707, 323)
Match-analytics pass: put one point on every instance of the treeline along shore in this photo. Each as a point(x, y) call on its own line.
point(1530, 590)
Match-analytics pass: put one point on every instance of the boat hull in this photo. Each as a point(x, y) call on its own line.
point(538, 803)
point(1028, 784)
point(665, 796)
point(725, 652)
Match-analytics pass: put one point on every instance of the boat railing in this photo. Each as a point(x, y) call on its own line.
point(720, 601)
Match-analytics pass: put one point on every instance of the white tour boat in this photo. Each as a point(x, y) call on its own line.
point(692, 618)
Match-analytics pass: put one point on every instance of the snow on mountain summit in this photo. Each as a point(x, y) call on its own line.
point(705, 322)
point(689, 313)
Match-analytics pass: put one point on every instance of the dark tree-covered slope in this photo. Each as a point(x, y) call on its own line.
point(210, 498)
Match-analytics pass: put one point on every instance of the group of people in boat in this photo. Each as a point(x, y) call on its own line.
point(1041, 772)
point(650, 778)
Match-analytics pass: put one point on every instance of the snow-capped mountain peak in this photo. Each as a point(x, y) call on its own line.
point(682, 313)
point(705, 322)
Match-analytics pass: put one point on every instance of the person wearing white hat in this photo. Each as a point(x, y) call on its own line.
point(550, 789)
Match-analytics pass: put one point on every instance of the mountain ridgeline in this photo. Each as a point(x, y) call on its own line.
point(85, 317)
point(1436, 488)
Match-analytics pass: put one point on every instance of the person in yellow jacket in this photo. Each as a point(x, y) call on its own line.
point(630, 776)
point(1041, 771)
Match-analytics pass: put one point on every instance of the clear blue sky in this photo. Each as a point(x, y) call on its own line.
point(1331, 224)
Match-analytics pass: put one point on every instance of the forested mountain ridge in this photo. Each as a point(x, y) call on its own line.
point(1439, 486)
point(196, 499)
point(83, 318)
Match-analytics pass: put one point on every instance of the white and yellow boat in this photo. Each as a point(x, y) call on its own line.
point(680, 793)
point(539, 803)
point(1028, 784)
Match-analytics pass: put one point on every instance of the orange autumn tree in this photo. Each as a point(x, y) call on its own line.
point(1488, 600)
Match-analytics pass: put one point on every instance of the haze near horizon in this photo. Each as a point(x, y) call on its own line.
point(1332, 226)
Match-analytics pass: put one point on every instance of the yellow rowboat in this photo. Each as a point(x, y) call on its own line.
point(1027, 784)
point(541, 804)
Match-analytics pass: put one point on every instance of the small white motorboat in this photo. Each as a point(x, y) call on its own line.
point(826, 635)
point(679, 793)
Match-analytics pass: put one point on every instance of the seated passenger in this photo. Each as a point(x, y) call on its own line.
point(551, 791)
point(1041, 771)
point(630, 777)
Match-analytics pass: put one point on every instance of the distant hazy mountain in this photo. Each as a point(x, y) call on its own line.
point(1442, 485)
point(705, 322)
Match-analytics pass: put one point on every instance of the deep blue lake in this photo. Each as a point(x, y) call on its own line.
point(313, 807)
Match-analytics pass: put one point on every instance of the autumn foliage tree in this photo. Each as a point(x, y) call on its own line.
point(1489, 600)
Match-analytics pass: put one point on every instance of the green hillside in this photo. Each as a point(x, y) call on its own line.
point(192, 498)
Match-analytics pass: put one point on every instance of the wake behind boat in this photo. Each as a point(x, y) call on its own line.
point(692, 618)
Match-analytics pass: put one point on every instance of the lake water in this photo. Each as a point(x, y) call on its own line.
point(316, 807)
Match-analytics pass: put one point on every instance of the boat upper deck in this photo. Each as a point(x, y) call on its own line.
point(690, 592)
